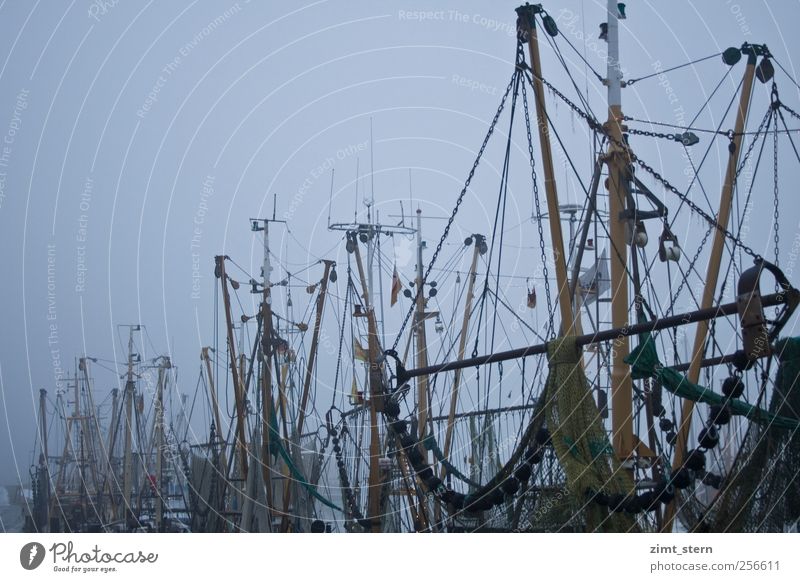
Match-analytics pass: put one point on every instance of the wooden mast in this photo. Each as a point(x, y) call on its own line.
point(618, 159)
point(112, 445)
point(312, 357)
point(528, 23)
point(159, 427)
point(266, 391)
point(462, 344)
point(90, 429)
point(422, 344)
point(44, 463)
point(267, 351)
point(374, 492)
point(712, 272)
point(212, 393)
point(127, 479)
point(241, 441)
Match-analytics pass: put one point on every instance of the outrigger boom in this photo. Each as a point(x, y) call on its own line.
point(789, 297)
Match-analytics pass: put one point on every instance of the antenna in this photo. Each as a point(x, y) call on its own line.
point(330, 199)
point(371, 162)
point(257, 225)
point(358, 179)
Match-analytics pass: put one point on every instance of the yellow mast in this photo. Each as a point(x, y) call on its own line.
point(712, 273)
point(323, 289)
point(241, 440)
point(374, 493)
point(462, 343)
point(212, 393)
point(528, 23)
point(618, 159)
point(422, 344)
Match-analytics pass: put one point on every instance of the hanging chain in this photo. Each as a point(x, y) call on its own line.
point(789, 110)
point(689, 270)
point(670, 136)
point(712, 221)
point(545, 272)
point(775, 182)
point(763, 126)
point(455, 210)
point(651, 133)
point(593, 123)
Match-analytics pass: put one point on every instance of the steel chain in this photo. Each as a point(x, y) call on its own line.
point(545, 271)
point(644, 132)
point(789, 110)
point(689, 270)
point(595, 125)
point(775, 188)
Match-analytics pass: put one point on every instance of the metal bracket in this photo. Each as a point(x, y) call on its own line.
point(756, 336)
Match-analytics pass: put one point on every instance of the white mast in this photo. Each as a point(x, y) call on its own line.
point(614, 70)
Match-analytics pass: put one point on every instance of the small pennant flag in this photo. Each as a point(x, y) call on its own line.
point(396, 285)
point(359, 352)
point(531, 298)
point(356, 397)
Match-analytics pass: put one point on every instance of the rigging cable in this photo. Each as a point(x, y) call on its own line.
point(664, 71)
point(459, 201)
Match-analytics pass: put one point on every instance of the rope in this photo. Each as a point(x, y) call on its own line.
point(459, 201)
point(664, 71)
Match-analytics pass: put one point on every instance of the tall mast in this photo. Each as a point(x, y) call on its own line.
point(43, 422)
point(323, 289)
point(617, 160)
point(89, 422)
point(212, 392)
point(480, 248)
point(368, 234)
point(712, 273)
point(112, 445)
point(528, 20)
point(76, 415)
point(43, 522)
point(376, 403)
point(422, 346)
point(241, 439)
point(127, 478)
point(262, 224)
point(159, 426)
point(312, 358)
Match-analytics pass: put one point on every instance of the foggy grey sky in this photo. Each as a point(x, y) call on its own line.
point(139, 137)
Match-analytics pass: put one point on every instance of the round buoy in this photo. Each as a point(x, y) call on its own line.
point(720, 414)
point(695, 460)
point(708, 437)
point(510, 486)
point(733, 387)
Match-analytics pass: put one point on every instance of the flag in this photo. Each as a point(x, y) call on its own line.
point(359, 352)
point(355, 396)
point(531, 298)
point(595, 281)
point(396, 285)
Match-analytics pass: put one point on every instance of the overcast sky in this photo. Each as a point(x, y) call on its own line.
point(139, 137)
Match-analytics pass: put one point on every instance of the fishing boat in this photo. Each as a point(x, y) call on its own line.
point(611, 381)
